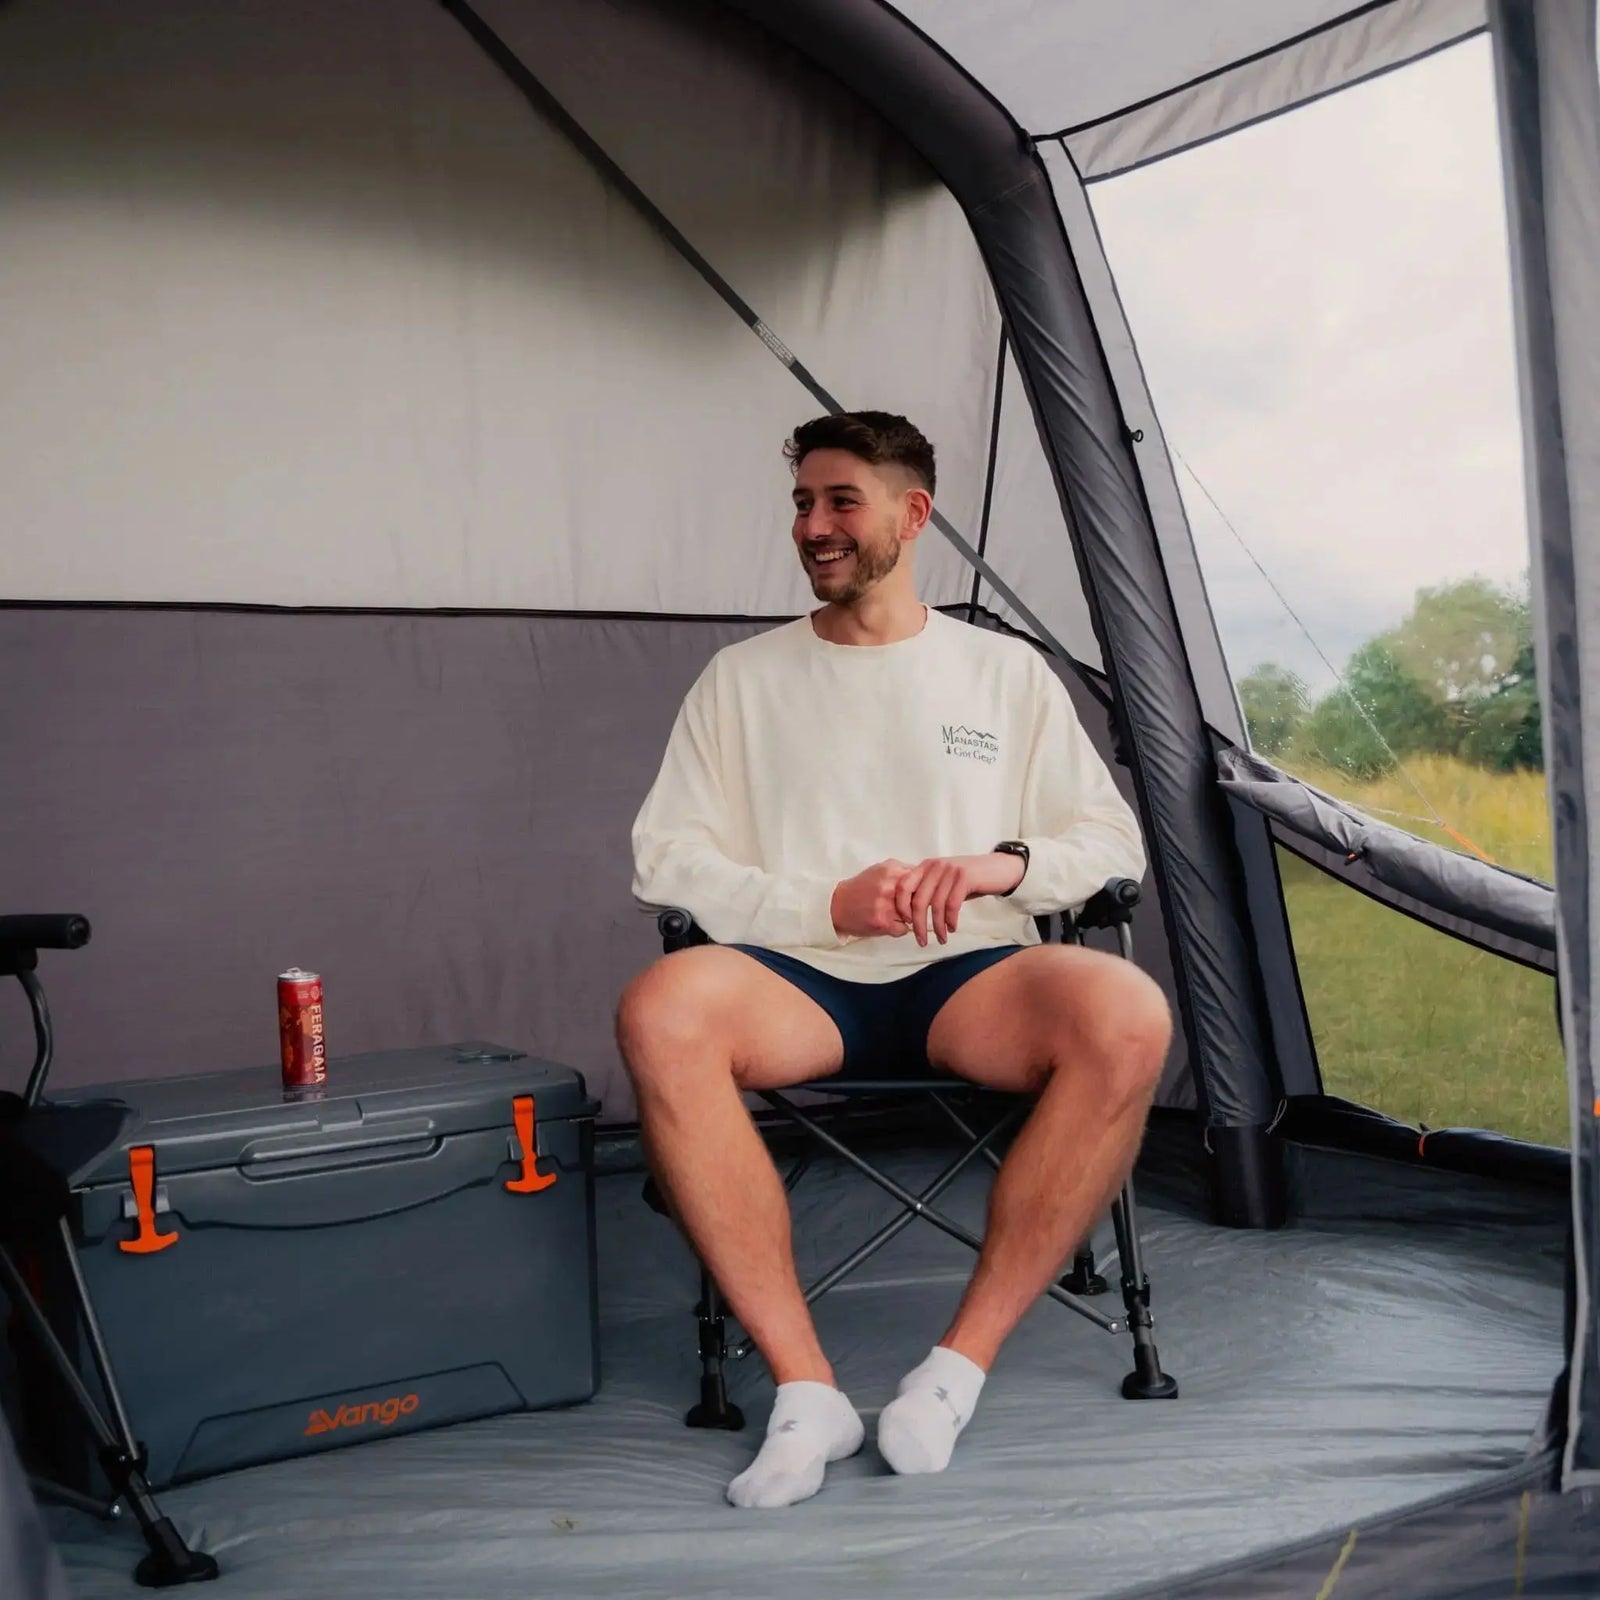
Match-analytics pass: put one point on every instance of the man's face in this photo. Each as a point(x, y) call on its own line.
point(848, 522)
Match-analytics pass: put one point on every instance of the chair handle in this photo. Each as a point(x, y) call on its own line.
point(1110, 907)
point(679, 930)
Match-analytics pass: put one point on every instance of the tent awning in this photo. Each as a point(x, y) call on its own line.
point(1200, 70)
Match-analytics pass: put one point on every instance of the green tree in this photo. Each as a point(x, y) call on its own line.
point(1506, 731)
point(1338, 734)
point(1275, 703)
point(1463, 637)
point(1455, 676)
point(1464, 641)
point(1405, 709)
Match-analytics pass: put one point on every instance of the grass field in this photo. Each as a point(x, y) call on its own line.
point(1411, 1021)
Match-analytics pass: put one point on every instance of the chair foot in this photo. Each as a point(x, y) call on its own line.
point(171, 1561)
point(1083, 1279)
point(1136, 1386)
point(715, 1410)
point(1147, 1381)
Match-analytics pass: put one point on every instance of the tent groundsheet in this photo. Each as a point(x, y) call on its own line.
point(1398, 1343)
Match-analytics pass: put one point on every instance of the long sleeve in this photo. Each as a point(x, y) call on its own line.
point(683, 849)
point(1078, 829)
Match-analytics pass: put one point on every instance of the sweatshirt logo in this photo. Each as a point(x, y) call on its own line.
point(971, 744)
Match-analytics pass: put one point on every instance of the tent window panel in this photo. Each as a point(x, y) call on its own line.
point(1419, 1025)
point(1324, 310)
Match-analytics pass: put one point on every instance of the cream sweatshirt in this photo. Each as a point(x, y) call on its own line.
point(795, 763)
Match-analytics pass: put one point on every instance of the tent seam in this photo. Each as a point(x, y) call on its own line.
point(1265, 117)
point(1264, 54)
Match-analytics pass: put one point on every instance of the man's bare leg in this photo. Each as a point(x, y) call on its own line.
point(1089, 1033)
point(695, 1030)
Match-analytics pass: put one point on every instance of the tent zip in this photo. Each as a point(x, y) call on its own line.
point(542, 101)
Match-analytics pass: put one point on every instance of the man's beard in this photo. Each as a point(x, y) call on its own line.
point(872, 563)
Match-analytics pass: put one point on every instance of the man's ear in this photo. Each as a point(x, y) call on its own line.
point(918, 507)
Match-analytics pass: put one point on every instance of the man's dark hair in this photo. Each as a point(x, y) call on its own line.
point(877, 437)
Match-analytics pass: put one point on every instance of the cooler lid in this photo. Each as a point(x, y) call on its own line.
point(220, 1119)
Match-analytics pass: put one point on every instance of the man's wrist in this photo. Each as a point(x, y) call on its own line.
point(833, 915)
point(1015, 856)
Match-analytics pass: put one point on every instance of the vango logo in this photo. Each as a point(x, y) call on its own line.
point(382, 1412)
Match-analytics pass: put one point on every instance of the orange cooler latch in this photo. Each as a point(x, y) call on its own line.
point(142, 1172)
point(531, 1180)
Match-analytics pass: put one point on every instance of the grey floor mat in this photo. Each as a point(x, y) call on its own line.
point(1328, 1373)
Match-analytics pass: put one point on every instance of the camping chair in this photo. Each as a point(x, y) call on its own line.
point(1111, 908)
point(41, 1147)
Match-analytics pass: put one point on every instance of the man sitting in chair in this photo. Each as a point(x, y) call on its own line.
point(865, 809)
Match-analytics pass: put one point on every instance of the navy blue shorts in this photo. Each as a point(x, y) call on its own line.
point(884, 1025)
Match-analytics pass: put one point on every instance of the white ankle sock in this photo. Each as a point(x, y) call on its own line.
point(918, 1429)
point(811, 1425)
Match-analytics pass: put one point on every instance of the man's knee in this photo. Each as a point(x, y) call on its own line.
point(1123, 1030)
point(1132, 1028)
point(667, 1018)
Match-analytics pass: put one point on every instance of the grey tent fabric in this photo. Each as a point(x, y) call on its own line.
point(1365, 41)
point(1549, 97)
point(1507, 902)
point(1199, 71)
point(403, 307)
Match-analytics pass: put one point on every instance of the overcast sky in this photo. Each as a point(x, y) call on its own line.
point(1323, 309)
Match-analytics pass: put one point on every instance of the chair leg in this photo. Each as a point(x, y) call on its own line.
point(1147, 1381)
point(715, 1410)
point(169, 1561)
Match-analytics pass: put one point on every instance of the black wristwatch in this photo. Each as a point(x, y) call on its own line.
point(1013, 847)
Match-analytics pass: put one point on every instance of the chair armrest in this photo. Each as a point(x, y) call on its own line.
point(1109, 907)
point(679, 930)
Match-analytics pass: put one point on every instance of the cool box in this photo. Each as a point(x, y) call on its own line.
point(275, 1277)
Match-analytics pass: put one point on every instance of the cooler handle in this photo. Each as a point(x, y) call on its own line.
point(142, 1172)
point(531, 1180)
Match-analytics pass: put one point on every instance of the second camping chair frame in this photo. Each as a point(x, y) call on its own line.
point(1111, 908)
point(38, 1214)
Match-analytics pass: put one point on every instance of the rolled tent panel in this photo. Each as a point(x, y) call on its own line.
point(1197, 71)
point(1549, 99)
point(319, 312)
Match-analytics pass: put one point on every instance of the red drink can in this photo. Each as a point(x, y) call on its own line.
point(300, 1034)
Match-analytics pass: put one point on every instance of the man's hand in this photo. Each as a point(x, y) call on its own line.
point(893, 898)
point(864, 906)
point(931, 894)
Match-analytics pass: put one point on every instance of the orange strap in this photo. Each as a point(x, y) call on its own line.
point(532, 1180)
point(142, 1170)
